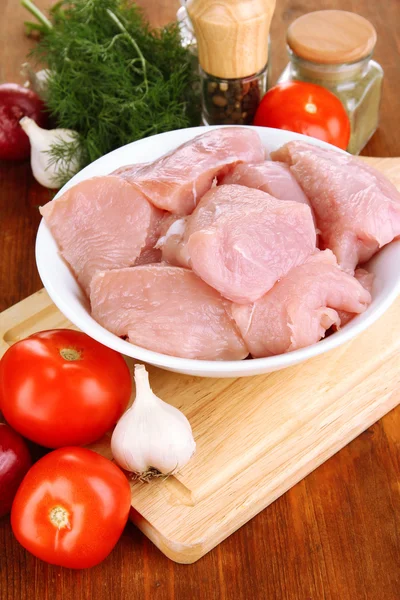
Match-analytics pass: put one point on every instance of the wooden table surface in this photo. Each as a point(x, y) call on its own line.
point(335, 535)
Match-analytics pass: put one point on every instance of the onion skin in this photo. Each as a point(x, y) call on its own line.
point(15, 462)
point(17, 102)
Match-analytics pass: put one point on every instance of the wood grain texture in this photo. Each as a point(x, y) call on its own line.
point(332, 37)
point(232, 35)
point(247, 455)
point(333, 536)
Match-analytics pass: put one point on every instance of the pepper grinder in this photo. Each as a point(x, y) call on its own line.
point(232, 40)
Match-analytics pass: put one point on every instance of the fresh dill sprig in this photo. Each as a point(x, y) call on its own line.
point(65, 156)
point(113, 78)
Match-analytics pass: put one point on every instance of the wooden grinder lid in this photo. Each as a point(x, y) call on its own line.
point(331, 37)
point(232, 35)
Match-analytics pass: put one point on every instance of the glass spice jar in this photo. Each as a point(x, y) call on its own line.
point(334, 49)
point(188, 39)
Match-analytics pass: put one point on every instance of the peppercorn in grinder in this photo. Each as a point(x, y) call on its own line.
point(232, 40)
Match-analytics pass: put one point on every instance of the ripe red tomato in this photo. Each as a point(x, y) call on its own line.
point(305, 108)
point(60, 387)
point(15, 461)
point(71, 508)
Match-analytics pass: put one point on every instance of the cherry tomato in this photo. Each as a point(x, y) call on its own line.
point(71, 508)
point(17, 102)
point(60, 388)
point(15, 461)
point(305, 108)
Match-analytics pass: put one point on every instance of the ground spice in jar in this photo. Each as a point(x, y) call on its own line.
point(334, 48)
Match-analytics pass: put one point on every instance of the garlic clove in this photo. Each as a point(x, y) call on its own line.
point(151, 435)
point(37, 81)
point(45, 170)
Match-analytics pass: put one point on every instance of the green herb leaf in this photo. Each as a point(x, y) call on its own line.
point(113, 78)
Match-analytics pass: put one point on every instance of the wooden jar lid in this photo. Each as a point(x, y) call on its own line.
point(331, 37)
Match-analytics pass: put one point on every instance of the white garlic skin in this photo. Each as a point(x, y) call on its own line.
point(151, 433)
point(41, 141)
point(37, 81)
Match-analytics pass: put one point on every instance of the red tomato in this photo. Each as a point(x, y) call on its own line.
point(61, 388)
point(71, 508)
point(305, 108)
point(17, 102)
point(15, 461)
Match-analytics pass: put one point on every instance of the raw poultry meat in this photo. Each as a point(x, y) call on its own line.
point(102, 223)
point(241, 241)
point(356, 208)
point(301, 307)
point(171, 244)
point(367, 280)
point(130, 169)
point(166, 309)
point(176, 181)
point(272, 177)
point(240, 272)
point(149, 255)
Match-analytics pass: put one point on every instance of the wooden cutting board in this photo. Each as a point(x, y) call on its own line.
point(256, 437)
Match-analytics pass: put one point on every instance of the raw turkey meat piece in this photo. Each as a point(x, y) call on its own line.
point(131, 169)
point(357, 209)
point(367, 280)
point(103, 223)
point(241, 241)
point(301, 307)
point(272, 177)
point(171, 243)
point(149, 255)
point(166, 309)
point(176, 182)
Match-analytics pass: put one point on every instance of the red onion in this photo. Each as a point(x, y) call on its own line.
point(17, 102)
point(15, 461)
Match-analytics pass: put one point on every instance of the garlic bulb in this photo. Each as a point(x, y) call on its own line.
point(46, 170)
point(151, 435)
point(37, 81)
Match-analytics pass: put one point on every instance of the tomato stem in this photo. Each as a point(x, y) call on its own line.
point(70, 354)
point(59, 517)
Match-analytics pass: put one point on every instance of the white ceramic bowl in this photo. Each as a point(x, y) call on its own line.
point(68, 297)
